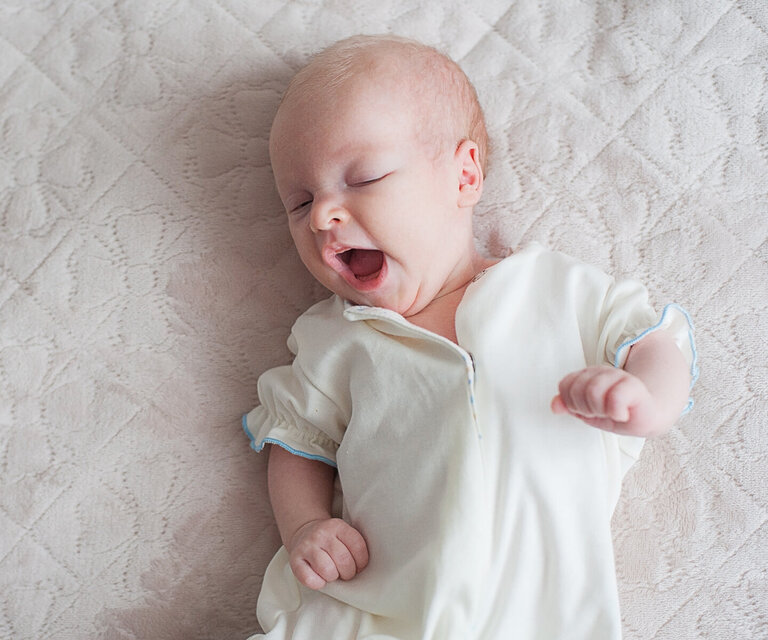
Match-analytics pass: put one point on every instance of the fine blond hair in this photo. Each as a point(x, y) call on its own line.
point(451, 111)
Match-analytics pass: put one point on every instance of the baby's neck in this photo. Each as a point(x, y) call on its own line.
point(439, 316)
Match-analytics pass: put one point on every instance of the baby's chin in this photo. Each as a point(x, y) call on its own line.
point(388, 291)
point(377, 299)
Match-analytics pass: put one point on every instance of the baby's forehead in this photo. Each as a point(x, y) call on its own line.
point(416, 78)
point(383, 71)
point(318, 96)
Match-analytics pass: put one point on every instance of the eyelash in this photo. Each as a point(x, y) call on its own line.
point(300, 207)
point(362, 183)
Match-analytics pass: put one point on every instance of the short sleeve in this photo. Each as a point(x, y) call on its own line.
point(625, 314)
point(295, 415)
point(677, 322)
point(626, 318)
point(305, 406)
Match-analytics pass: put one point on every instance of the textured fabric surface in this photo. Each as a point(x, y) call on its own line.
point(147, 278)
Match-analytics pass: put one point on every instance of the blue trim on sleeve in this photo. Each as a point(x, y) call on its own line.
point(258, 447)
point(694, 358)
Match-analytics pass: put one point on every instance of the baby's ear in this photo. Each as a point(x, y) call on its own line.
point(470, 173)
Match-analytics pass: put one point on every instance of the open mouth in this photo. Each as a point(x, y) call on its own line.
point(365, 264)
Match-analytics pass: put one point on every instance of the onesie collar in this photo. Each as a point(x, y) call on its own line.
point(392, 323)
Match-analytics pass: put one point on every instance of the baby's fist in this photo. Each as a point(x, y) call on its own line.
point(322, 551)
point(604, 397)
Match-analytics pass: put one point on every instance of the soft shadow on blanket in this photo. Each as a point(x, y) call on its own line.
point(232, 303)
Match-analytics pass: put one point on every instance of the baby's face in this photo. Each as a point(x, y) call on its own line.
point(375, 216)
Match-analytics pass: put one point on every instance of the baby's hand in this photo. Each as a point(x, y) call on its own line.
point(607, 398)
point(322, 551)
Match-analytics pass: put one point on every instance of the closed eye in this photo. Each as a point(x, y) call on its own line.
point(363, 183)
point(299, 207)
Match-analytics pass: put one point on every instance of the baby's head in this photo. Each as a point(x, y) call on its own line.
point(378, 149)
point(434, 84)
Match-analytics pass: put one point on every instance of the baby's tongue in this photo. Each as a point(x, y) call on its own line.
point(365, 262)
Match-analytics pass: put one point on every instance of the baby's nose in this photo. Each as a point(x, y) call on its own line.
point(326, 215)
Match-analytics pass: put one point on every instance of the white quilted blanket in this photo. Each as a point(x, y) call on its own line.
point(147, 279)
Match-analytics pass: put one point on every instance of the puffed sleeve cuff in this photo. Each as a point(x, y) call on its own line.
point(262, 428)
point(675, 320)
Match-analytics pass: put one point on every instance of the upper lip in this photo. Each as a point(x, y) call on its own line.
point(331, 252)
point(330, 255)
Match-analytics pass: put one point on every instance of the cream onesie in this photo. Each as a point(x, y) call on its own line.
point(487, 516)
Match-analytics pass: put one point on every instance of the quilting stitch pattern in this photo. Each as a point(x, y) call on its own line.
point(147, 279)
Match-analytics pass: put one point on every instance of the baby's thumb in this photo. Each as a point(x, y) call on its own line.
point(557, 405)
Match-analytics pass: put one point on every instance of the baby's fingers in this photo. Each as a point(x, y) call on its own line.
point(558, 406)
point(327, 551)
point(584, 393)
point(622, 397)
point(356, 547)
point(316, 571)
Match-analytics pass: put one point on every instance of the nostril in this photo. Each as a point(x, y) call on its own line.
point(325, 215)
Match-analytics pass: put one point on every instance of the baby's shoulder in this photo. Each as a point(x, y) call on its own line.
point(535, 263)
point(322, 322)
point(327, 311)
point(323, 333)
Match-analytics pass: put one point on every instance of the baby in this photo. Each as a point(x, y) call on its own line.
point(452, 433)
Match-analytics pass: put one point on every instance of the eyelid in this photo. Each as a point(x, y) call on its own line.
point(353, 183)
point(299, 206)
point(362, 183)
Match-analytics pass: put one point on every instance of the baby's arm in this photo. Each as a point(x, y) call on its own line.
point(322, 548)
point(645, 398)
